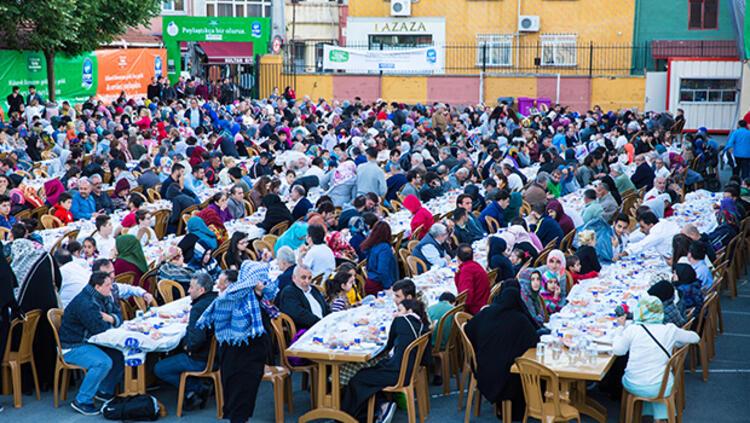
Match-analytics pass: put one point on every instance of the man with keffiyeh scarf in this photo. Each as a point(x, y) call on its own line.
point(240, 317)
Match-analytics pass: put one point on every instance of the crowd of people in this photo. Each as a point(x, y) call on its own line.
point(363, 161)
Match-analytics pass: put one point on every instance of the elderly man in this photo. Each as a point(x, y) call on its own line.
point(457, 180)
point(644, 174)
point(92, 312)
point(287, 262)
point(303, 205)
point(607, 201)
point(301, 301)
point(84, 205)
point(660, 187)
point(693, 233)
point(195, 344)
point(622, 181)
point(102, 200)
point(537, 192)
point(432, 249)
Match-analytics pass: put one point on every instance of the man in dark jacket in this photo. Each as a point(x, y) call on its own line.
point(196, 345)
point(92, 312)
point(302, 301)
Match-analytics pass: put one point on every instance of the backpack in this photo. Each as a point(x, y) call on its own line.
point(136, 408)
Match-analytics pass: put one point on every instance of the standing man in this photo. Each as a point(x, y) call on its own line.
point(471, 277)
point(370, 177)
point(15, 101)
point(739, 145)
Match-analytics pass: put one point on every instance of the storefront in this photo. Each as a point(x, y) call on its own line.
point(396, 34)
point(215, 47)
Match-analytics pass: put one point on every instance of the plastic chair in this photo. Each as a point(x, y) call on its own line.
point(161, 218)
point(270, 240)
point(13, 360)
point(404, 386)
point(54, 316)
point(153, 195)
point(166, 290)
point(417, 234)
point(403, 254)
point(492, 224)
point(567, 242)
point(675, 365)
point(704, 329)
point(284, 329)
point(416, 265)
point(125, 278)
point(447, 354)
point(556, 410)
point(260, 245)
point(411, 245)
point(51, 222)
point(207, 373)
point(279, 228)
point(494, 292)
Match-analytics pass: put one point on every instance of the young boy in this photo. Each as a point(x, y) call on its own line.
point(104, 236)
point(574, 267)
point(6, 219)
point(62, 208)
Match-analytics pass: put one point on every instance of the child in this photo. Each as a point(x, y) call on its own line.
point(61, 210)
point(104, 235)
point(134, 203)
point(90, 253)
point(586, 253)
point(518, 258)
point(551, 293)
point(574, 267)
point(337, 288)
point(6, 219)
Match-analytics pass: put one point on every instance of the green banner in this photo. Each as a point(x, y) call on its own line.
point(200, 28)
point(76, 77)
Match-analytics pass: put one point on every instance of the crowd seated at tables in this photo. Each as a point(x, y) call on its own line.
point(216, 198)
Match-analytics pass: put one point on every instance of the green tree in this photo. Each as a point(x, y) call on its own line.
point(70, 27)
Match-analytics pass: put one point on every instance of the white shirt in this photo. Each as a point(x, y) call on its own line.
point(316, 171)
point(647, 361)
point(433, 256)
point(75, 277)
point(320, 260)
point(659, 238)
point(652, 193)
point(662, 173)
point(104, 245)
point(515, 183)
point(315, 307)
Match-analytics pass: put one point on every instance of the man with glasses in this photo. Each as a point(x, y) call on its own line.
point(101, 199)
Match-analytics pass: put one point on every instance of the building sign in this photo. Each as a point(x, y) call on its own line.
point(401, 26)
point(355, 60)
point(202, 28)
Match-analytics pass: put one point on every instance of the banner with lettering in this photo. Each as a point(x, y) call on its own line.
point(418, 60)
point(129, 70)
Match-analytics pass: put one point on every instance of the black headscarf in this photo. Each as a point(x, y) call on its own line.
point(685, 274)
point(187, 245)
point(501, 333)
point(496, 258)
point(662, 290)
point(276, 212)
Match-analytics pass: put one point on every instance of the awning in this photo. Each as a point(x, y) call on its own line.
point(222, 52)
point(664, 49)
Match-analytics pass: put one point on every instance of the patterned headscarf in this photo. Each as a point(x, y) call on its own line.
point(24, 255)
point(649, 310)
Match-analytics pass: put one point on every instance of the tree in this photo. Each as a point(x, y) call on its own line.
point(70, 27)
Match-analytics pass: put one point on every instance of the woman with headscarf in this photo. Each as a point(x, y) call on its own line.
point(294, 237)
point(649, 343)
point(664, 291)
point(341, 183)
point(52, 189)
point(688, 286)
point(241, 320)
point(276, 212)
point(727, 221)
point(530, 284)
point(524, 241)
point(9, 308)
point(497, 258)
point(555, 210)
point(555, 269)
point(420, 215)
point(173, 267)
point(197, 226)
point(496, 354)
point(39, 279)
point(214, 222)
point(130, 257)
point(196, 249)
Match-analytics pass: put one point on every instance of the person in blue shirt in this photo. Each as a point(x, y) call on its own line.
point(298, 193)
point(84, 205)
point(464, 201)
point(546, 228)
point(739, 145)
point(496, 209)
point(697, 258)
point(7, 220)
point(382, 269)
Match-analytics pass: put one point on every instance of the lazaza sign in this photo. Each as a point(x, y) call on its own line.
point(409, 26)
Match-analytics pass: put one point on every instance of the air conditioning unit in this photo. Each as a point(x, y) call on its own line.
point(528, 23)
point(400, 7)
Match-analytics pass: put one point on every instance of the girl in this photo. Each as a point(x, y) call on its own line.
point(337, 288)
point(518, 258)
point(586, 253)
point(552, 294)
point(90, 253)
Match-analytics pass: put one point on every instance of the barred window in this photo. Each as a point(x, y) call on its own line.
point(559, 50)
point(498, 50)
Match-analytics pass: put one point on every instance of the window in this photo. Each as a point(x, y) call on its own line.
point(703, 14)
point(497, 48)
point(559, 50)
point(708, 90)
point(238, 8)
point(173, 5)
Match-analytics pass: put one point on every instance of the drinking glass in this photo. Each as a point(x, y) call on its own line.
point(541, 349)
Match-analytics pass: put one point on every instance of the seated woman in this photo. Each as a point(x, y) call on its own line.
point(130, 257)
point(215, 224)
point(219, 203)
point(688, 286)
point(649, 343)
point(409, 324)
point(496, 258)
point(664, 291)
point(259, 191)
point(522, 240)
point(197, 246)
point(586, 252)
point(174, 268)
point(496, 354)
point(531, 290)
point(382, 269)
point(238, 250)
point(337, 288)
point(294, 237)
point(142, 230)
point(276, 212)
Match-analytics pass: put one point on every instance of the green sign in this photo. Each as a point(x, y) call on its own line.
point(76, 76)
point(338, 56)
point(199, 28)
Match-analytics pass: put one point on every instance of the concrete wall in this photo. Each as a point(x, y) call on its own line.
point(618, 93)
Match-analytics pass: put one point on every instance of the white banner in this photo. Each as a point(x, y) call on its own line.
point(354, 60)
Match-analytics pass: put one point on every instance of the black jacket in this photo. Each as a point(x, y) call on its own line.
point(197, 340)
point(292, 301)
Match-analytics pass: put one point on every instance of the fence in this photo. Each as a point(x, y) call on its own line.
point(502, 56)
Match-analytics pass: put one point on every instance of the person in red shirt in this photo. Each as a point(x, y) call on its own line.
point(134, 204)
point(574, 268)
point(61, 210)
point(471, 277)
point(420, 215)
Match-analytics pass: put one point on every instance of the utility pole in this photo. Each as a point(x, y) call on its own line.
point(278, 20)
